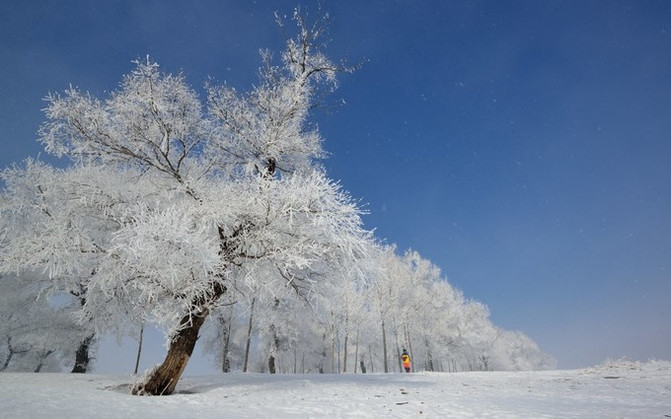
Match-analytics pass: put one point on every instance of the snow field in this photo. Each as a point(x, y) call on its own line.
point(620, 390)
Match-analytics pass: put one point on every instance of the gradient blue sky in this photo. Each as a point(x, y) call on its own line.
point(522, 146)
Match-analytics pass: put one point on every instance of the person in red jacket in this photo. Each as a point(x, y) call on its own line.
point(406, 360)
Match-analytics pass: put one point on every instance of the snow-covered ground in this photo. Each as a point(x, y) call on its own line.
point(613, 390)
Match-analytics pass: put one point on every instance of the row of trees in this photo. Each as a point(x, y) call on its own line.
point(35, 334)
point(174, 208)
point(356, 325)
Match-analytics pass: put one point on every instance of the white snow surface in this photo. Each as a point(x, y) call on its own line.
point(612, 390)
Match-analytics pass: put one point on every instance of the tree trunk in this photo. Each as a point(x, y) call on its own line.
point(295, 359)
point(370, 354)
point(163, 380)
point(398, 350)
point(225, 363)
point(429, 360)
point(344, 368)
point(384, 348)
point(322, 361)
point(139, 350)
point(249, 335)
point(356, 349)
point(82, 357)
point(429, 354)
point(398, 356)
point(275, 344)
point(333, 344)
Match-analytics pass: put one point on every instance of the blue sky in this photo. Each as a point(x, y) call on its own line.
point(522, 146)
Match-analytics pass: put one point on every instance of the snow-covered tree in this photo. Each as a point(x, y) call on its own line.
point(61, 222)
point(415, 307)
point(514, 350)
point(191, 202)
point(387, 292)
point(35, 335)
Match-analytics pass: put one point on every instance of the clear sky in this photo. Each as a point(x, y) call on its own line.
point(522, 146)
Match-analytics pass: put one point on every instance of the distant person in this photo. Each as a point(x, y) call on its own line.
point(406, 360)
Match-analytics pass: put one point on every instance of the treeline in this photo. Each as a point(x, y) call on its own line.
point(362, 325)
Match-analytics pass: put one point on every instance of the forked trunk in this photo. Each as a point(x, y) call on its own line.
point(10, 355)
point(163, 380)
point(43, 358)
